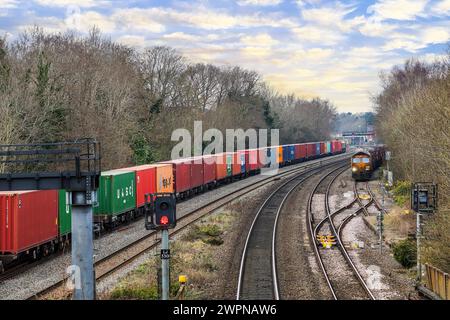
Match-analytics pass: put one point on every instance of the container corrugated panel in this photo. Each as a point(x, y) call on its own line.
point(279, 151)
point(291, 152)
point(230, 160)
point(64, 213)
point(221, 166)
point(145, 179)
point(311, 150)
point(236, 163)
point(27, 219)
point(197, 173)
point(116, 193)
point(328, 146)
point(285, 153)
point(323, 148)
point(302, 151)
point(263, 159)
point(241, 158)
point(181, 174)
point(252, 159)
point(209, 169)
point(164, 178)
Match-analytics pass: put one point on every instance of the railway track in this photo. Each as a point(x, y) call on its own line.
point(340, 272)
point(127, 254)
point(258, 270)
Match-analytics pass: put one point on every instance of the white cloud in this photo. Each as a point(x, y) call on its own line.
point(441, 8)
point(259, 2)
point(318, 35)
point(8, 4)
point(329, 16)
point(398, 9)
point(66, 3)
point(259, 40)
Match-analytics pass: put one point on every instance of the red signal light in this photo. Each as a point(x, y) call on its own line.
point(164, 220)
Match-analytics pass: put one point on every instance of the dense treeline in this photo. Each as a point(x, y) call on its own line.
point(62, 86)
point(413, 118)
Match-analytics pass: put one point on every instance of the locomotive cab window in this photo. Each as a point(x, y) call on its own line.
point(365, 160)
point(356, 160)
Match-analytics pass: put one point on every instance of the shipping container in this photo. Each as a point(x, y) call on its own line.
point(263, 158)
point(145, 179)
point(317, 148)
point(236, 163)
point(28, 219)
point(64, 213)
point(300, 152)
point(164, 178)
point(290, 153)
point(253, 160)
point(311, 150)
point(196, 172)
point(242, 157)
point(116, 194)
point(181, 169)
point(230, 160)
point(221, 166)
point(323, 148)
point(328, 147)
point(209, 169)
point(280, 154)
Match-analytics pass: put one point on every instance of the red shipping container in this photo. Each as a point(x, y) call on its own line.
point(145, 182)
point(310, 150)
point(263, 159)
point(252, 160)
point(209, 169)
point(323, 148)
point(221, 166)
point(27, 219)
point(181, 174)
point(236, 166)
point(196, 172)
point(302, 151)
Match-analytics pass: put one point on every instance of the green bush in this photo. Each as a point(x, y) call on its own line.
point(402, 192)
point(405, 252)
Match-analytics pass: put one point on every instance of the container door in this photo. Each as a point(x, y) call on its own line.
point(229, 164)
point(65, 213)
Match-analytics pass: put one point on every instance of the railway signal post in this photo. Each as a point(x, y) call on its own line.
point(71, 166)
point(424, 200)
point(160, 214)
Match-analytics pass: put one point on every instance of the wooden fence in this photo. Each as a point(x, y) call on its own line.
point(438, 281)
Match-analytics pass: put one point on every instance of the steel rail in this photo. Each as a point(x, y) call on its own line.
point(273, 251)
point(215, 204)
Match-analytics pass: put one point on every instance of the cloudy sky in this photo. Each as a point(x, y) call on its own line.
point(331, 49)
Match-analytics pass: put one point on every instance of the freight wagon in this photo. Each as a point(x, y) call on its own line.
point(28, 225)
point(116, 197)
point(36, 223)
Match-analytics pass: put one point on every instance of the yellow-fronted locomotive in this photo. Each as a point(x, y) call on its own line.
point(364, 162)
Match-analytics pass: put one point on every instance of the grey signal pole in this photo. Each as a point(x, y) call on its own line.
point(165, 255)
point(82, 246)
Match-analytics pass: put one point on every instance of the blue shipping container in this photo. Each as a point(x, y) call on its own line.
point(318, 148)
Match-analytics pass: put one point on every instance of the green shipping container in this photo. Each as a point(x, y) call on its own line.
point(116, 193)
point(65, 213)
point(229, 164)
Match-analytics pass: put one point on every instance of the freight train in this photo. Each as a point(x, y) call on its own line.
point(34, 224)
point(365, 161)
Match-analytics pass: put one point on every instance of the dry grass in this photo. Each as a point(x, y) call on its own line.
point(192, 254)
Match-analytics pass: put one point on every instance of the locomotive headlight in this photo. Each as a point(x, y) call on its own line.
point(367, 168)
point(354, 169)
